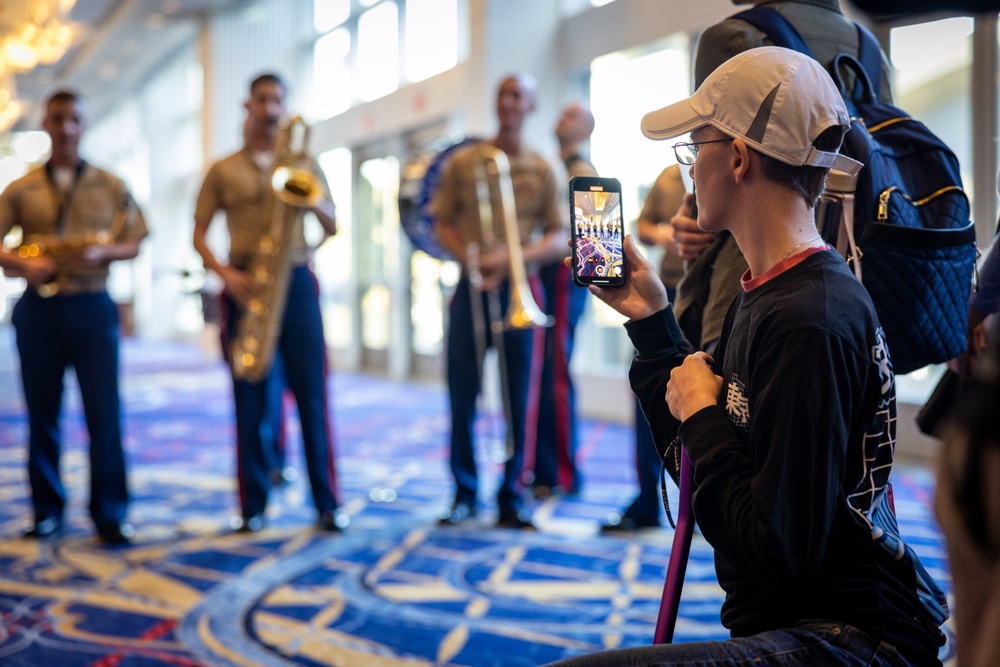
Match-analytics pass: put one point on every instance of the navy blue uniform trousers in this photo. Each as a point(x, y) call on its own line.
point(557, 441)
point(302, 350)
point(464, 385)
point(53, 334)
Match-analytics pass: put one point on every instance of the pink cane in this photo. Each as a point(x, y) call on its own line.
point(679, 549)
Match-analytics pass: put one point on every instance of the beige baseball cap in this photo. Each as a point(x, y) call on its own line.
point(776, 100)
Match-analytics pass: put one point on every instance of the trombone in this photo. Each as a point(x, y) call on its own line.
point(522, 311)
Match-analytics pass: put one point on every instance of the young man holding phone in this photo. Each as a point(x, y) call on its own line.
point(790, 427)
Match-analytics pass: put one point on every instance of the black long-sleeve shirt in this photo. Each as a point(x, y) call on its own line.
point(791, 468)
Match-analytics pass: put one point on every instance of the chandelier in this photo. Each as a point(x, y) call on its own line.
point(32, 33)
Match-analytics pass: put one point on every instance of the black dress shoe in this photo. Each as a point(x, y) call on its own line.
point(116, 533)
point(460, 511)
point(625, 524)
point(251, 524)
point(333, 521)
point(50, 526)
point(514, 519)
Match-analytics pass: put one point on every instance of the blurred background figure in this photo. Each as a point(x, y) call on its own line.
point(556, 470)
point(240, 185)
point(654, 229)
point(80, 219)
point(456, 207)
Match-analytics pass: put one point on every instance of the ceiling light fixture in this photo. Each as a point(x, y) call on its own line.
point(32, 33)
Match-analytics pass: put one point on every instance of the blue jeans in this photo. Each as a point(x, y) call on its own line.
point(819, 643)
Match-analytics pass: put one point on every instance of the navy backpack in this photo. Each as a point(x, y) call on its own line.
point(904, 224)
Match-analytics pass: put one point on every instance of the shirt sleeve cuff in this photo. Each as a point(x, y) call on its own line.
point(657, 334)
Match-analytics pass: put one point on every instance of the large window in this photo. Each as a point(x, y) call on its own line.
point(335, 257)
point(367, 49)
point(431, 38)
point(378, 51)
point(333, 81)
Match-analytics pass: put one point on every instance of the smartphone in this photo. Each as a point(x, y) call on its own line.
point(595, 206)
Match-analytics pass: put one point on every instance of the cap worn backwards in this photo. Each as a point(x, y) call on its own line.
point(776, 100)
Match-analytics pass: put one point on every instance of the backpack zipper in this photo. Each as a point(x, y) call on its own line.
point(883, 199)
point(875, 128)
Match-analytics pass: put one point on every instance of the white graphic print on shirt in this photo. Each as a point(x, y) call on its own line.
point(737, 405)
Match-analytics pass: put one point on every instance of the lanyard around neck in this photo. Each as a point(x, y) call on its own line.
point(63, 198)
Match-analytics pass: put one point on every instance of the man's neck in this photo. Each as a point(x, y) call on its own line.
point(70, 161)
point(772, 229)
point(261, 143)
point(568, 150)
point(509, 141)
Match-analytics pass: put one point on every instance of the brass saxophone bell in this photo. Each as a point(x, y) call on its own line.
point(296, 187)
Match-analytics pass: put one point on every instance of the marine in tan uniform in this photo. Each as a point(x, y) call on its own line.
point(543, 234)
point(75, 220)
point(239, 185)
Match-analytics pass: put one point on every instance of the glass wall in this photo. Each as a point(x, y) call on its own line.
point(379, 298)
point(334, 260)
point(367, 49)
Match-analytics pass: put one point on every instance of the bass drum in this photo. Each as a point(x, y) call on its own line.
point(420, 179)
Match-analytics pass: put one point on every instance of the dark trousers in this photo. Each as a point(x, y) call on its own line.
point(301, 355)
point(556, 444)
point(52, 334)
point(464, 385)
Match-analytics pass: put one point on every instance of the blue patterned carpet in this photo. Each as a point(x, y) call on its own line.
point(393, 590)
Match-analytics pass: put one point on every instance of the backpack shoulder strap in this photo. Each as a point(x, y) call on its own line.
point(870, 55)
point(777, 28)
point(782, 33)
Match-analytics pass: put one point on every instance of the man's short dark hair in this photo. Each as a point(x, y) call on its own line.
point(268, 77)
point(806, 181)
point(62, 96)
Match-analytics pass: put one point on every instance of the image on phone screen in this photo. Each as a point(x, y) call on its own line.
point(597, 231)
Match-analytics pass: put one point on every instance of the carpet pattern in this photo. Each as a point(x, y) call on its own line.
point(394, 589)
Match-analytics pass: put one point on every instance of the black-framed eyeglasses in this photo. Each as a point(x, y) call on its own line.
point(686, 152)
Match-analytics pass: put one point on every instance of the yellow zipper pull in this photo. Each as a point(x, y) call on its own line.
point(883, 204)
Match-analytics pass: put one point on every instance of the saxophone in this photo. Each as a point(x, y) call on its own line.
point(65, 249)
point(293, 190)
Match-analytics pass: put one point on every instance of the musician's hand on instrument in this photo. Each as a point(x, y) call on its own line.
point(690, 239)
point(94, 255)
point(494, 267)
point(239, 285)
point(642, 294)
point(693, 386)
point(39, 271)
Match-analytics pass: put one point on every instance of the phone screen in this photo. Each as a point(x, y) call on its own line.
point(596, 214)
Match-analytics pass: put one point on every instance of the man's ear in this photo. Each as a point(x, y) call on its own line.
point(739, 159)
